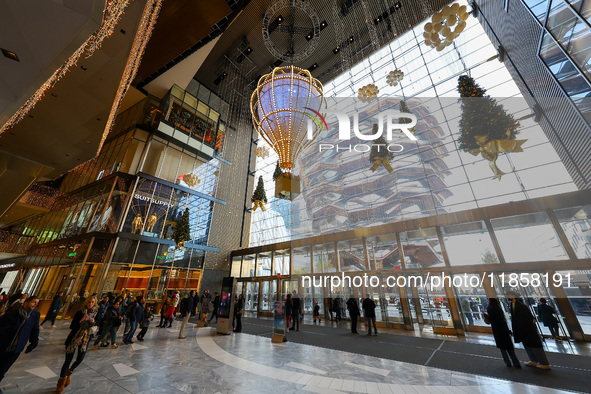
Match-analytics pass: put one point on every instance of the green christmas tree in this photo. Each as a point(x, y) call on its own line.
point(259, 197)
point(380, 155)
point(404, 108)
point(259, 193)
point(182, 232)
point(482, 115)
point(277, 172)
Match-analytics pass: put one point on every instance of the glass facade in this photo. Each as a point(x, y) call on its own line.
point(448, 270)
point(565, 46)
point(430, 176)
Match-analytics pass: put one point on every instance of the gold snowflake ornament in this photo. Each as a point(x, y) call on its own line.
point(261, 152)
point(394, 77)
point(368, 93)
point(445, 26)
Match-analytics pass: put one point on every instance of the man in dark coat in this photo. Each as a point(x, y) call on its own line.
point(135, 313)
point(525, 331)
point(501, 332)
point(17, 327)
point(216, 307)
point(369, 310)
point(195, 302)
point(353, 308)
point(186, 308)
point(296, 310)
point(54, 309)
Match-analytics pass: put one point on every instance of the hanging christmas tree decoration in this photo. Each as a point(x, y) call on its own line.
point(182, 233)
point(368, 93)
point(485, 127)
point(277, 173)
point(190, 179)
point(259, 197)
point(380, 156)
point(261, 152)
point(445, 26)
point(394, 77)
point(404, 108)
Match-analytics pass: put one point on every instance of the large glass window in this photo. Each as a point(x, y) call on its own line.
point(324, 258)
point(421, 248)
point(281, 265)
point(383, 252)
point(528, 237)
point(351, 255)
point(538, 8)
point(468, 244)
point(248, 266)
point(301, 261)
point(472, 300)
point(579, 295)
point(264, 264)
point(576, 224)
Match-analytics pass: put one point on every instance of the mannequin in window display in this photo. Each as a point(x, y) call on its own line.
point(151, 222)
point(137, 224)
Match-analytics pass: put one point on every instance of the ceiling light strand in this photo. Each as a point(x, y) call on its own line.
point(111, 16)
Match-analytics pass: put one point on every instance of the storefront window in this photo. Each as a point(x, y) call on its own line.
point(264, 264)
point(579, 296)
point(528, 237)
point(421, 248)
point(576, 224)
point(469, 244)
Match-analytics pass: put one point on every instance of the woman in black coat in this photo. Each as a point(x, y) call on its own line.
point(54, 309)
point(525, 331)
point(501, 332)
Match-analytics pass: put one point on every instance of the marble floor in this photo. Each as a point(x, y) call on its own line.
point(237, 363)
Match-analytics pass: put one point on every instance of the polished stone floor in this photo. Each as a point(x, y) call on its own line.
point(238, 363)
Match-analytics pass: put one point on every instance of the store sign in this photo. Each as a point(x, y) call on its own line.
point(164, 257)
point(73, 254)
point(152, 200)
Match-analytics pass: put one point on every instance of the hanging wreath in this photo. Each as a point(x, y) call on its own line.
point(445, 26)
point(368, 93)
point(261, 152)
point(394, 77)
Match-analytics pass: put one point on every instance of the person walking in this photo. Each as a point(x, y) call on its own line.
point(525, 331)
point(54, 309)
point(17, 327)
point(145, 323)
point(353, 308)
point(296, 310)
point(369, 311)
point(134, 316)
point(467, 308)
point(100, 314)
point(337, 308)
point(166, 300)
point(78, 339)
point(112, 321)
point(238, 313)
point(205, 303)
point(186, 308)
point(170, 313)
point(216, 307)
point(546, 315)
point(501, 332)
point(195, 302)
point(316, 312)
point(288, 311)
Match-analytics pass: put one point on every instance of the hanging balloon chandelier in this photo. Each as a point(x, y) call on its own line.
point(281, 106)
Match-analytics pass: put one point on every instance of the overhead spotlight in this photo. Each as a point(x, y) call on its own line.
point(351, 39)
point(309, 36)
point(220, 78)
point(313, 67)
point(248, 50)
point(241, 57)
point(279, 19)
point(336, 50)
point(323, 25)
point(398, 5)
point(377, 20)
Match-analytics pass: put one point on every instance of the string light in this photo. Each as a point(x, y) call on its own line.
point(111, 16)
